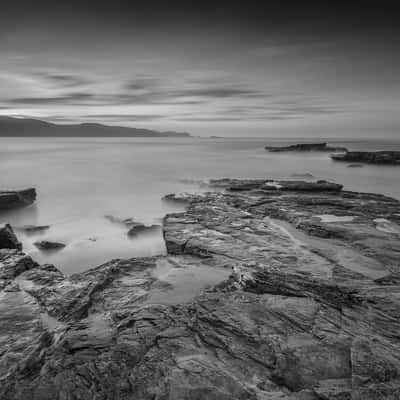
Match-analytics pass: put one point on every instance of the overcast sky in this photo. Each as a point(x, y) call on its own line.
point(210, 69)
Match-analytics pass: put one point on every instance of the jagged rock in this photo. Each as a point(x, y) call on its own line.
point(305, 147)
point(305, 175)
point(17, 198)
point(8, 240)
point(46, 245)
point(305, 315)
point(135, 228)
point(370, 157)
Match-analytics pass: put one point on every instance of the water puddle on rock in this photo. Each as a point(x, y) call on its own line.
point(180, 282)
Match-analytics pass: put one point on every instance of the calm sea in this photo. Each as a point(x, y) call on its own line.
point(79, 181)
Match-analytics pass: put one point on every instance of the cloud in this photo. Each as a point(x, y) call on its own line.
point(124, 117)
point(218, 92)
point(68, 98)
point(143, 84)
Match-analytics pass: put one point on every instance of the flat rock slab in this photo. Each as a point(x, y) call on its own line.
point(311, 309)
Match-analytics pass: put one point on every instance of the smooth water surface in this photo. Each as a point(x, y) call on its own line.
point(79, 181)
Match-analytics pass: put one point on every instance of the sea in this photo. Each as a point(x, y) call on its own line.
point(80, 181)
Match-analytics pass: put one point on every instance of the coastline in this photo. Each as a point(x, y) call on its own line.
point(304, 303)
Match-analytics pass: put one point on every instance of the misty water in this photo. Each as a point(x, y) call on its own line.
point(80, 181)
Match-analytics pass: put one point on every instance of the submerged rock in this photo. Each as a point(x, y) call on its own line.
point(32, 229)
point(355, 166)
point(17, 198)
point(305, 147)
point(127, 222)
point(369, 157)
point(46, 245)
point(311, 312)
point(8, 240)
point(140, 229)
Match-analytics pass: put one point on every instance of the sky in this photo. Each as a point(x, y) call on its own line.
point(209, 68)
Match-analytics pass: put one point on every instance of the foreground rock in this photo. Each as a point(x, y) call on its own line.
point(308, 313)
point(369, 157)
point(17, 198)
point(46, 245)
point(305, 147)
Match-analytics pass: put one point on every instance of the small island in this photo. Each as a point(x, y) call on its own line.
point(305, 147)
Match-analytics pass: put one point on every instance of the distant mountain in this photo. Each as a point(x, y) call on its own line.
point(24, 127)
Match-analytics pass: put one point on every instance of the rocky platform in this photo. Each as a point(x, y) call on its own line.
point(305, 147)
point(16, 198)
point(369, 157)
point(310, 312)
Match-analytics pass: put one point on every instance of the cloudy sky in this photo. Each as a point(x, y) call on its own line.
point(216, 68)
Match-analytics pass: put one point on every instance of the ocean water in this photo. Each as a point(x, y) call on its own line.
point(80, 181)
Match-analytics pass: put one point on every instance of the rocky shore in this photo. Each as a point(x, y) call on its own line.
point(369, 157)
point(310, 310)
point(305, 147)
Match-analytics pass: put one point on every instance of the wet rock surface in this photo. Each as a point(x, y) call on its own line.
point(311, 310)
point(369, 157)
point(305, 147)
point(16, 198)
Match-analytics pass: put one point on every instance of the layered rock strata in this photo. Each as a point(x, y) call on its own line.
point(311, 309)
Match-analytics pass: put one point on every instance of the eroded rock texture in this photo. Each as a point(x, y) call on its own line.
point(311, 310)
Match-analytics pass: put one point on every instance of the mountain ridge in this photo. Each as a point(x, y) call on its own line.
point(30, 127)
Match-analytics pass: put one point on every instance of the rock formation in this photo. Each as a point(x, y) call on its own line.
point(17, 198)
point(369, 157)
point(46, 245)
point(311, 312)
point(305, 147)
point(8, 240)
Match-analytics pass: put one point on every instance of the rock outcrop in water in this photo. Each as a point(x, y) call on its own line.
point(305, 147)
point(16, 198)
point(46, 245)
point(32, 229)
point(311, 311)
point(369, 157)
